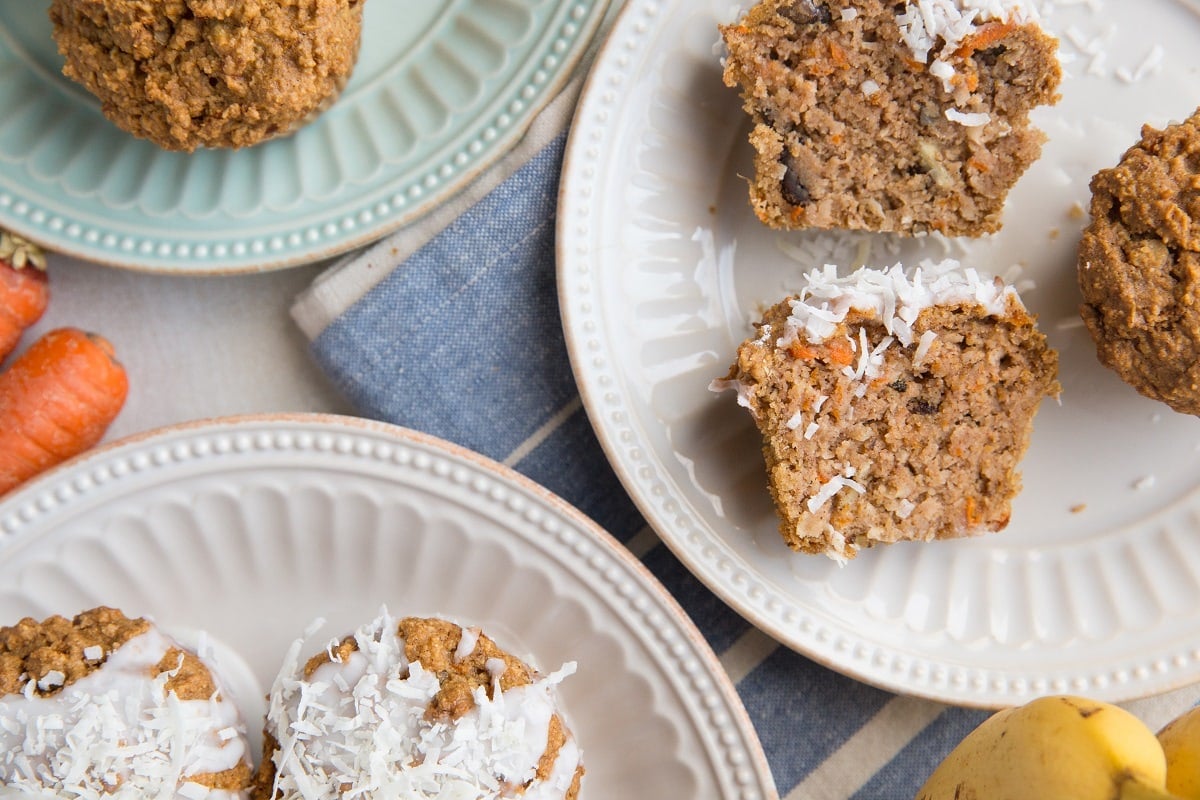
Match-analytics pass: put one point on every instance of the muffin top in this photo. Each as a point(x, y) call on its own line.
point(209, 73)
point(1139, 266)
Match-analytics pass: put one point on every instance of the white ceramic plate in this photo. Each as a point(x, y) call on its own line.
point(440, 90)
point(249, 529)
point(1094, 587)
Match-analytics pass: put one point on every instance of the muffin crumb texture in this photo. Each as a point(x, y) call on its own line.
point(1139, 266)
point(209, 73)
point(893, 406)
point(864, 118)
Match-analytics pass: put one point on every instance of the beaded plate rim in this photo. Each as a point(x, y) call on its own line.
point(94, 230)
point(613, 408)
point(528, 510)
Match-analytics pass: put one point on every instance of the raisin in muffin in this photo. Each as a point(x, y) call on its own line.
point(215, 73)
point(893, 405)
point(884, 116)
point(450, 714)
point(106, 706)
point(1139, 266)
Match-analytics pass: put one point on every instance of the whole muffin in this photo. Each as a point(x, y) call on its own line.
point(107, 706)
point(209, 73)
point(1139, 266)
point(415, 708)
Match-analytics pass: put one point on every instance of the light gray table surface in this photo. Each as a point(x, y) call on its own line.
point(194, 347)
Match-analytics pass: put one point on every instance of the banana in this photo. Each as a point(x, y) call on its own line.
point(1180, 741)
point(1056, 748)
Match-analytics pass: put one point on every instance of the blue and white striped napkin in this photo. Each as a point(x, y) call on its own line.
point(452, 327)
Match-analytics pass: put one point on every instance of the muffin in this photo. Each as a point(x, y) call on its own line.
point(106, 706)
point(1139, 266)
point(416, 708)
point(209, 73)
point(883, 116)
point(893, 404)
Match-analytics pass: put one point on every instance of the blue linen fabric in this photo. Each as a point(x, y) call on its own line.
point(507, 391)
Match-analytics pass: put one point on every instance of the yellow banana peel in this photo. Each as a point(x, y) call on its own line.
point(1060, 747)
point(1180, 741)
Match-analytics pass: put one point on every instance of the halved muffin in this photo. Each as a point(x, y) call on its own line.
point(903, 117)
point(893, 404)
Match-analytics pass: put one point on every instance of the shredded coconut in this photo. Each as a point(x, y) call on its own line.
point(743, 391)
point(117, 733)
point(375, 739)
point(926, 341)
point(926, 25)
point(796, 421)
point(849, 14)
point(1151, 65)
point(830, 488)
point(968, 120)
point(894, 296)
point(193, 791)
point(495, 667)
point(837, 546)
point(869, 87)
point(466, 643)
point(945, 71)
point(51, 680)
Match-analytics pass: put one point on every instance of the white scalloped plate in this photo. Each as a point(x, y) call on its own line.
point(441, 89)
point(1095, 586)
point(249, 529)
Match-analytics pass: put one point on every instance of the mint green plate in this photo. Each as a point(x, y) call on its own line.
point(441, 89)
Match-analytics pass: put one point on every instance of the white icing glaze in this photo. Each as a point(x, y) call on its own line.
point(117, 733)
point(563, 773)
point(362, 723)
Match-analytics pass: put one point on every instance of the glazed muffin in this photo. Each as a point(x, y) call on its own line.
point(106, 706)
point(217, 73)
point(416, 708)
point(1139, 266)
point(883, 116)
point(893, 405)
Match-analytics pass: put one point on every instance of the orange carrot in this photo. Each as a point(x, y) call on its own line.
point(987, 35)
point(838, 55)
point(56, 400)
point(24, 290)
point(834, 351)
